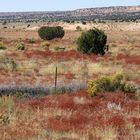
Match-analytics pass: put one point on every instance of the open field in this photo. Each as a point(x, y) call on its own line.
point(71, 116)
point(36, 65)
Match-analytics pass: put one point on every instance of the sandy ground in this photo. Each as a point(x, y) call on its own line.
point(108, 26)
point(111, 26)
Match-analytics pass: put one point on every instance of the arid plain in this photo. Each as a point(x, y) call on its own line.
point(69, 116)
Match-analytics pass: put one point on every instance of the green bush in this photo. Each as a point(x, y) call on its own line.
point(49, 33)
point(2, 47)
point(20, 46)
point(45, 45)
point(92, 41)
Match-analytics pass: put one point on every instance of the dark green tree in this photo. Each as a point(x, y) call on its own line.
point(49, 33)
point(92, 41)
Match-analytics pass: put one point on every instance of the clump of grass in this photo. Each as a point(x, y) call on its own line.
point(137, 95)
point(4, 119)
point(7, 103)
point(78, 28)
point(2, 46)
point(20, 95)
point(113, 45)
point(57, 48)
point(20, 46)
point(129, 88)
point(109, 133)
point(32, 40)
point(7, 64)
point(45, 45)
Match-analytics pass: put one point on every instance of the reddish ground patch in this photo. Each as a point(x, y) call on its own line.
point(68, 55)
point(91, 111)
point(129, 59)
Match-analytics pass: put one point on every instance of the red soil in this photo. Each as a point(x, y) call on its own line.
point(68, 55)
point(91, 112)
point(129, 59)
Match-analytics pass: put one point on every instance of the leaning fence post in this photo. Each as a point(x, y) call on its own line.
point(55, 79)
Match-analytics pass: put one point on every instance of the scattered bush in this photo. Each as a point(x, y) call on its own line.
point(4, 119)
point(49, 33)
point(110, 84)
point(31, 40)
point(7, 102)
point(7, 64)
point(2, 47)
point(28, 25)
point(78, 28)
point(92, 41)
point(84, 23)
point(113, 45)
point(57, 48)
point(105, 84)
point(45, 45)
point(20, 46)
point(20, 95)
point(129, 88)
point(4, 22)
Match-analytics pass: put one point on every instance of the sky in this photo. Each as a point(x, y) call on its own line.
point(60, 5)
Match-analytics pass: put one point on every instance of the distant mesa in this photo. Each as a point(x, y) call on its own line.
point(104, 13)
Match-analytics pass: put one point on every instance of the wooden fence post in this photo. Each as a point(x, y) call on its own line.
point(56, 79)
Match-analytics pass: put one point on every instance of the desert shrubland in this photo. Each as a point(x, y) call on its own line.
point(30, 106)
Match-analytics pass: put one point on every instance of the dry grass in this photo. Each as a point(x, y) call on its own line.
point(74, 116)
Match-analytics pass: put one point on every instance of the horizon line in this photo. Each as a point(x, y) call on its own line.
point(69, 9)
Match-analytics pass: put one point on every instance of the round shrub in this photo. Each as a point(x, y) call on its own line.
point(49, 33)
point(92, 41)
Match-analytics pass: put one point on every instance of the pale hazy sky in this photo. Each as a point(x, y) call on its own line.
point(53, 5)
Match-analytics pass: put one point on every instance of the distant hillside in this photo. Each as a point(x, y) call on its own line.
point(105, 13)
